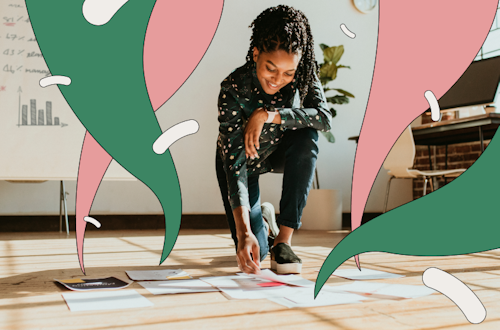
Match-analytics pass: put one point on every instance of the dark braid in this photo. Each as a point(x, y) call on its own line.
point(286, 28)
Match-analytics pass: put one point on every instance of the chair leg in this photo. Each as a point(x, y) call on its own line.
point(432, 184)
point(387, 194)
point(425, 185)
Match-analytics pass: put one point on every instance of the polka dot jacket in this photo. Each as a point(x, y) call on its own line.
point(241, 94)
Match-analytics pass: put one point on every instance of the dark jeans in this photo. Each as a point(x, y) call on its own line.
point(296, 159)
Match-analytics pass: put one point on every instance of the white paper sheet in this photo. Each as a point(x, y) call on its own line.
point(246, 287)
point(364, 274)
point(304, 297)
point(157, 275)
point(223, 281)
point(269, 275)
point(180, 286)
point(105, 300)
point(396, 290)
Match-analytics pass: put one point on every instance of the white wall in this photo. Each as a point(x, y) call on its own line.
point(194, 155)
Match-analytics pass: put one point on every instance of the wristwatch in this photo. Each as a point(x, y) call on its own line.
point(270, 108)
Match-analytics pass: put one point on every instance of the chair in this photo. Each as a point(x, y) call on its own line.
point(400, 160)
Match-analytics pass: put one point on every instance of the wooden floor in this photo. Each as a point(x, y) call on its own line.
point(29, 299)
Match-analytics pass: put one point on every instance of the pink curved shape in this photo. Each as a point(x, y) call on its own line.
point(170, 58)
point(94, 161)
point(178, 35)
point(423, 45)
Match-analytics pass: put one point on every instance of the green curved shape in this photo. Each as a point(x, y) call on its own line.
point(459, 218)
point(108, 91)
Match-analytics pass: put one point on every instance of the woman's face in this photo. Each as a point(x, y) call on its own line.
point(275, 69)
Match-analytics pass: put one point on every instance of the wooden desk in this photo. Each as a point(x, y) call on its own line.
point(469, 129)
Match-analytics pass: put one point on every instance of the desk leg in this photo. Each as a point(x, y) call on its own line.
point(446, 163)
point(62, 201)
point(481, 138)
point(60, 206)
point(430, 158)
point(65, 208)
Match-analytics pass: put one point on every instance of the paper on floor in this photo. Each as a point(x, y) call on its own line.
point(269, 275)
point(178, 286)
point(246, 287)
point(364, 274)
point(396, 290)
point(105, 300)
point(304, 297)
point(85, 284)
point(157, 274)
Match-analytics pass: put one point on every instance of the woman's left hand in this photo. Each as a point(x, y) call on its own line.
point(252, 132)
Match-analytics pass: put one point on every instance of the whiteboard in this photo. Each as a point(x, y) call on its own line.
point(40, 136)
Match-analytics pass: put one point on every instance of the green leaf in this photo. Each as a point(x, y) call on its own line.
point(328, 70)
point(325, 80)
point(333, 54)
point(334, 112)
point(343, 66)
point(323, 46)
point(346, 93)
point(337, 99)
point(329, 136)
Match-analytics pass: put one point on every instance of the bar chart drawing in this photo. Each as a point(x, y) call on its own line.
point(37, 117)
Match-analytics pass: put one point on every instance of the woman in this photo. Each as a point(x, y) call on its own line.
point(269, 112)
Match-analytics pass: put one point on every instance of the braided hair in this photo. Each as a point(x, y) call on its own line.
point(286, 28)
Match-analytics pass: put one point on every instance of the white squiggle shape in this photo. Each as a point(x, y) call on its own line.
point(55, 80)
point(434, 105)
point(347, 32)
point(93, 221)
point(456, 291)
point(99, 12)
point(173, 134)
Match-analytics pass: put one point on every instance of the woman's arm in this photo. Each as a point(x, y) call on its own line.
point(232, 149)
point(314, 114)
point(248, 250)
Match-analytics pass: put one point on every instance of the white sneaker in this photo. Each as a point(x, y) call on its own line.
point(270, 218)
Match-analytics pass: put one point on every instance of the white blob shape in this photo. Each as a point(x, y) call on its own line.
point(55, 80)
point(347, 32)
point(93, 221)
point(99, 12)
point(173, 134)
point(457, 292)
point(434, 105)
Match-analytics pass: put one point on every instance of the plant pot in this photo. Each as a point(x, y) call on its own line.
point(323, 210)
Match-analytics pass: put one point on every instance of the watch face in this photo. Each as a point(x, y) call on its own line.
point(365, 6)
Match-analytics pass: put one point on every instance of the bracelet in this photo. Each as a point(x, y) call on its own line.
point(270, 116)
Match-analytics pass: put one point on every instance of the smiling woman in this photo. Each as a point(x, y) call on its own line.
point(276, 69)
point(269, 112)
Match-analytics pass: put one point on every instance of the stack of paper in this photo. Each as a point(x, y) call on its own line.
point(157, 275)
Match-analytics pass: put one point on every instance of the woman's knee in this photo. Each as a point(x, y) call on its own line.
point(305, 144)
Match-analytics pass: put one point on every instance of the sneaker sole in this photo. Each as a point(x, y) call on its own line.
point(291, 268)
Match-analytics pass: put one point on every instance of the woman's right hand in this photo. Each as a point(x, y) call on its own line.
point(252, 132)
point(248, 254)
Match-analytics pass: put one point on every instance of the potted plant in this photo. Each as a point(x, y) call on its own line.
point(324, 206)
